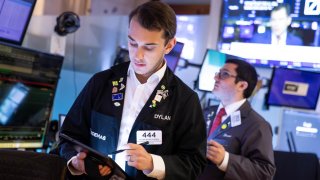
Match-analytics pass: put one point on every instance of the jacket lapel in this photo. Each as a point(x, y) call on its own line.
point(118, 89)
point(226, 125)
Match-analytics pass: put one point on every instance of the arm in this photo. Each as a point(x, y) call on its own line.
point(189, 141)
point(256, 160)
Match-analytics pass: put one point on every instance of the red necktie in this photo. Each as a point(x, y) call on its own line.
point(217, 120)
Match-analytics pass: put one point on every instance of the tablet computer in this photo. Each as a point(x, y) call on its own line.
point(99, 158)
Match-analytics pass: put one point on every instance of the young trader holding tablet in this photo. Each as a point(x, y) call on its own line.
point(138, 101)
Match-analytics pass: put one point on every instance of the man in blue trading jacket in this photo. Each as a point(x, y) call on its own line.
point(280, 20)
point(240, 147)
point(137, 101)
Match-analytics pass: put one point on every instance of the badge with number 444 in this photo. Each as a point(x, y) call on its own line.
point(154, 137)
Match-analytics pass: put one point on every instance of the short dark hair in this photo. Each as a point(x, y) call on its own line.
point(156, 15)
point(283, 6)
point(245, 72)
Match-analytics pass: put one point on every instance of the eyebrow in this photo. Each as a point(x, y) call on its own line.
point(224, 69)
point(147, 44)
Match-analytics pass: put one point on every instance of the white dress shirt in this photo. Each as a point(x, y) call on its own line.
point(279, 40)
point(136, 96)
point(229, 110)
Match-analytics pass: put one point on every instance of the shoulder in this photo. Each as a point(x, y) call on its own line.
point(252, 117)
point(102, 80)
point(293, 39)
point(119, 70)
point(261, 38)
point(181, 90)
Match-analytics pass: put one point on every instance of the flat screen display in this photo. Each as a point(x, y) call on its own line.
point(246, 31)
point(305, 130)
point(28, 81)
point(294, 88)
point(174, 55)
point(14, 19)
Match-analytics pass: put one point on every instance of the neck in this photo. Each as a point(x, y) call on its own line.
point(143, 78)
point(226, 102)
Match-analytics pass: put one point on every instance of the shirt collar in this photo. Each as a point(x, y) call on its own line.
point(283, 38)
point(155, 77)
point(231, 108)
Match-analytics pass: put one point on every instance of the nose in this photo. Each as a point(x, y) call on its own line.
point(139, 54)
point(216, 76)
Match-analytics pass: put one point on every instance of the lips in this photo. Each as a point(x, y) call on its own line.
point(139, 64)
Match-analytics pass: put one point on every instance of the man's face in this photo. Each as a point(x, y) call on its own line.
point(279, 21)
point(225, 88)
point(146, 49)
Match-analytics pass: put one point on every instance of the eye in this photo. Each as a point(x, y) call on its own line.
point(224, 74)
point(133, 44)
point(149, 48)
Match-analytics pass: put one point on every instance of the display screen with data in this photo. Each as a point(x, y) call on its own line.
point(245, 31)
point(14, 19)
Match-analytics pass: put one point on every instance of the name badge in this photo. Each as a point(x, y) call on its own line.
point(235, 119)
point(154, 137)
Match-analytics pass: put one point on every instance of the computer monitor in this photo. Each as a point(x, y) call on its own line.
point(245, 31)
point(294, 88)
point(14, 19)
point(174, 55)
point(304, 128)
point(28, 81)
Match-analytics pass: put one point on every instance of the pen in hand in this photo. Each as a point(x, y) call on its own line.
point(121, 150)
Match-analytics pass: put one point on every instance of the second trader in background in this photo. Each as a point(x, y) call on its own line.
point(121, 107)
point(240, 142)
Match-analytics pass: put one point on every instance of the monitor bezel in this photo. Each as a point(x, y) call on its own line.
point(20, 41)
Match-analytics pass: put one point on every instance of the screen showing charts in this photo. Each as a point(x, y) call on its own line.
point(14, 19)
point(28, 81)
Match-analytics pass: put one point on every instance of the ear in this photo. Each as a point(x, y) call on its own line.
point(243, 85)
point(171, 43)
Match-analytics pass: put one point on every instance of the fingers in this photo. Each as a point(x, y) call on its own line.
point(78, 162)
point(214, 143)
point(138, 157)
point(81, 155)
point(215, 152)
point(104, 170)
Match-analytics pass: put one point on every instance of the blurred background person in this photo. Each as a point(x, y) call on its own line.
point(280, 20)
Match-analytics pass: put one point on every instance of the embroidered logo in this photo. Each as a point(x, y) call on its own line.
point(162, 117)
point(97, 135)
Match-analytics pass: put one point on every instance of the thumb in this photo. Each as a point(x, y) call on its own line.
point(81, 155)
